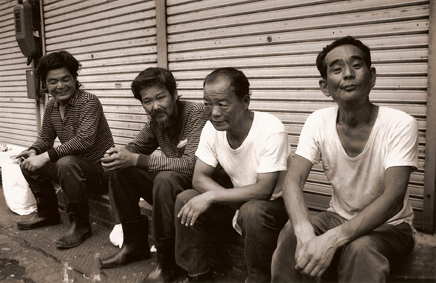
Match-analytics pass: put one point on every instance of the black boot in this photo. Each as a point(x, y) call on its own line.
point(47, 213)
point(135, 244)
point(166, 270)
point(80, 228)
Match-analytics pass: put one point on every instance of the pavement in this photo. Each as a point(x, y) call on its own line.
point(30, 255)
point(22, 262)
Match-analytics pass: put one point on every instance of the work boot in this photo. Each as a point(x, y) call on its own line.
point(135, 244)
point(166, 270)
point(80, 228)
point(47, 213)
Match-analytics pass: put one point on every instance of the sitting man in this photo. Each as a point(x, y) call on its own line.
point(252, 148)
point(174, 126)
point(76, 117)
point(368, 153)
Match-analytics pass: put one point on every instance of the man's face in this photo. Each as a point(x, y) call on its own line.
point(349, 80)
point(223, 108)
point(159, 104)
point(61, 84)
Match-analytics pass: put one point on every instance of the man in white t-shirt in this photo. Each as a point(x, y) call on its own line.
point(368, 153)
point(252, 148)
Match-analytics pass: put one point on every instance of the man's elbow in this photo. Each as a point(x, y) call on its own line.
point(397, 206)
point(264, 195)
point(198, 183)
point(195, 184)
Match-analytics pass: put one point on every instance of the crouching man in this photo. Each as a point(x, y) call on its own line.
point(75, 117)
point(252, 148)
point(174, 127)
point(368, 153)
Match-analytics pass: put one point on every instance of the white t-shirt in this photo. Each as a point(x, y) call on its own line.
point(358, 181)
point(264, 150)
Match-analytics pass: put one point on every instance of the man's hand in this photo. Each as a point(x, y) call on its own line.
point(117, 158)
point(33, 162)
point(19, 158)
point(195, 206)
point(313, 257)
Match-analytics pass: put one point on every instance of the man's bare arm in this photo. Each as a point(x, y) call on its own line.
point(315, 256)
point(212, 192)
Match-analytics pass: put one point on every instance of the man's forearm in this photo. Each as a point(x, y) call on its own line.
point(298, 211)
point(239, 195)
point(374, 215)
point(183, 165)
point(203, 183)
point(380, 210)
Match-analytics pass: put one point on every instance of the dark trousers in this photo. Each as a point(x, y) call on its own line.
point(78, 179)
point(366, 259)
point(127, 186)
point(260, 221)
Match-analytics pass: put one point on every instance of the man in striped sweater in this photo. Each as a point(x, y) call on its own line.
point(75, 117)
point(174, 127)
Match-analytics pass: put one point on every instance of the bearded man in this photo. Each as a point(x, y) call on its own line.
point(174, 127)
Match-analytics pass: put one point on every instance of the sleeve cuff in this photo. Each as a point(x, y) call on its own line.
point(143, 162)
point(53, 155)
point(35, 149)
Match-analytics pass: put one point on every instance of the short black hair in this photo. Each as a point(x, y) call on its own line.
point(154, 76)
point(57, 60)
point(236, 77)
point(320, 60)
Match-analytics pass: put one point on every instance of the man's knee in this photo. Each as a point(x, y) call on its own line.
point(362, 252)
point(27, 173)
point(283, 262)
point(253, 214)
point(362, 260)
point(360, 246)
point(183, 198)
point(169, 183)
point(67, 164)
point(166, 178)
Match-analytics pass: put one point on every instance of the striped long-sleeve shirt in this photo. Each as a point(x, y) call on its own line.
point(84, 131)
point(178, 143)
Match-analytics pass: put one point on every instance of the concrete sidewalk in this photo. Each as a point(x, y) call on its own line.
point(30, 255)
point(22, 262)
point(44, 264)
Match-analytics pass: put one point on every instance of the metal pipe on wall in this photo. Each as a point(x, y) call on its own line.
point(429, 222)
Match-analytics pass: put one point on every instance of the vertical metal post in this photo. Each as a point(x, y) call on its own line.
point(161, 36)
point(429, 214)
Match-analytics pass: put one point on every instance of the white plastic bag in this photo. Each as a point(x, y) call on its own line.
point(117, 236)
point(18, 195)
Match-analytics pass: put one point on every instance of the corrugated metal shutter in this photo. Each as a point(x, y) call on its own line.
point(275, 43)
point(17, 112)
point(114, 41)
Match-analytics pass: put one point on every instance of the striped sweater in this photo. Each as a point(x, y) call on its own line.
point(84, 131)
point(178, 143)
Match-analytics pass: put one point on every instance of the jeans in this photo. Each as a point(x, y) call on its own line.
point(261, 222)
point(78, 179)
point(369, 258)
point(127, 186)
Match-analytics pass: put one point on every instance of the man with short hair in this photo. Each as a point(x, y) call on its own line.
point(368, 153)
point(174, 127)
point(76, 117)
point(252, 148)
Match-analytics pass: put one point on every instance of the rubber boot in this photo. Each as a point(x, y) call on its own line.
point(80, 228)
point(135, 244)
point(47, 213)
point(166, 270)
